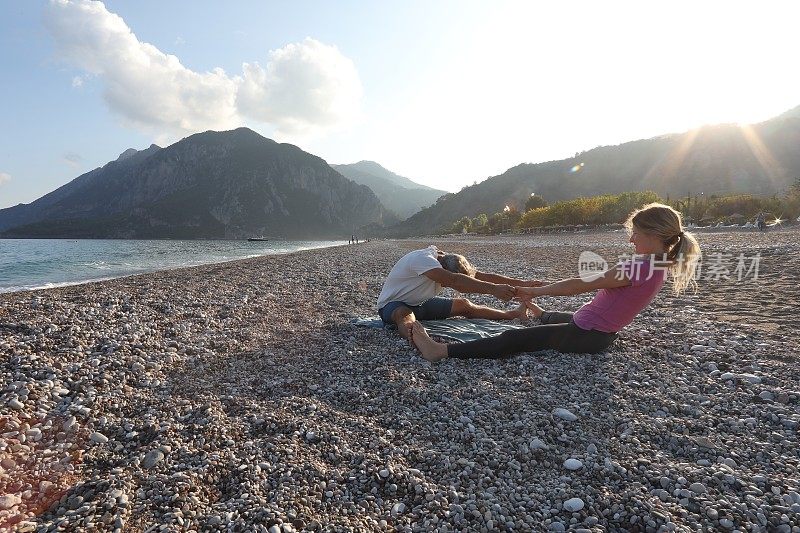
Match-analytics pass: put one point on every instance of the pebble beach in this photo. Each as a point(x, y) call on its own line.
point(239, 397)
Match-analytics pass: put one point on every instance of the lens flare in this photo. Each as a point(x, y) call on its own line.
point(576, 168)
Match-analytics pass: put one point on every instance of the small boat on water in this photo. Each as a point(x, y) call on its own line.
point(255, 239)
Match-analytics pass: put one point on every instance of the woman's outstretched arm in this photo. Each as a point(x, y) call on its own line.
point(610, 279)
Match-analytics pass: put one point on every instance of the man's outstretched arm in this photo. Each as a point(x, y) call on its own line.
point(497, 278)
point(464, 283)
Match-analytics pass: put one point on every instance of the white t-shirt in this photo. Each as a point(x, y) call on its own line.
point(406, 282)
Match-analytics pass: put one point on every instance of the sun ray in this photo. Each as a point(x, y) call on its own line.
point(668, 166)
point(771, 167)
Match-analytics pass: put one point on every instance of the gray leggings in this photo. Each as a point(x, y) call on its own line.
point(557, 332)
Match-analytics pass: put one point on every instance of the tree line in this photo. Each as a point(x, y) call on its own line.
point(609, 209)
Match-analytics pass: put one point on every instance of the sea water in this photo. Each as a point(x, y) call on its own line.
point(42, 263)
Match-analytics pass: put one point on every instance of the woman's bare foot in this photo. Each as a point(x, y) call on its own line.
point(535, 310)
point(520, 312)
point(431, 350)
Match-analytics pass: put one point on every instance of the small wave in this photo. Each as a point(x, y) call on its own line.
point(102, 270)
point(98, 265)
point(51, 285)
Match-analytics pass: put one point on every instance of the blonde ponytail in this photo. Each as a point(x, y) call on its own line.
point(682, 249)
point(684, 257)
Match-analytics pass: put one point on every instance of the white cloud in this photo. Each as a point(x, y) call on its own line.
point(4, 177)
point(77, 82)
point(148, 88)
point(304, 87)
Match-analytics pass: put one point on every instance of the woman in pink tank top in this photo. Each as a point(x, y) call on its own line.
point(662, 247)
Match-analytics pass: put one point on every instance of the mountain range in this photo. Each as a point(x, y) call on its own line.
point(395, 192)
point(212, 185)
point(762, 159)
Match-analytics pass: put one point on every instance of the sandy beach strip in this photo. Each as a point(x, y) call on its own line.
point(237, 397)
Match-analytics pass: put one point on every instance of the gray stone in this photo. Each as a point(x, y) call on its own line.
point(662, 494)
point(751, 378)
point(98, 437)
point(697, 488)
point(69, 423)
point(8, 501)
point(573, 505)
point(564, 414)
point(537, 444)
point(15, 404)
point(152, 458)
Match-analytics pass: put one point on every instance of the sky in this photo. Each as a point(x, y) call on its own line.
point(445, 92)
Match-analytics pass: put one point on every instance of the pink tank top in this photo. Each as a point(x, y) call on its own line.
point(613, 309)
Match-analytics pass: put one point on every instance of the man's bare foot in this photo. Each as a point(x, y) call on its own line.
point(404, 329)
point(535, 310)
point(431, 350)
point(403, 319)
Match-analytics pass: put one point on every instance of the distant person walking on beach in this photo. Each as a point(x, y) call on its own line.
point(661, 246)
point(761, 222)
point(410, 291)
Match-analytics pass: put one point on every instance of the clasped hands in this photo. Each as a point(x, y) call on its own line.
point(522, 294)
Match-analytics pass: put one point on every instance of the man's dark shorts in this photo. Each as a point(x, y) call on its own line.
point(434, 309)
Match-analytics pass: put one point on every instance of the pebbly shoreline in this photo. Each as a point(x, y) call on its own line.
point(237, 397)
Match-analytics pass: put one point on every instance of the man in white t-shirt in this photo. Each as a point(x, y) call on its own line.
point(410, 291)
